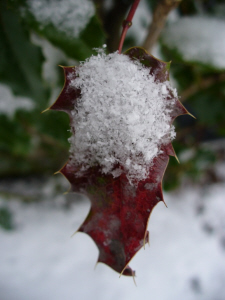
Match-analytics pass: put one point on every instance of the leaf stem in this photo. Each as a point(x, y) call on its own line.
point(127, 24)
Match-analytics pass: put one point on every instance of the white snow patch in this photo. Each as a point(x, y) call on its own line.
point(39, 260)
point(214, 211)
point(199, 39)
point(69, 16)
point(122, 116)
point(10, 103)
point(53, 56)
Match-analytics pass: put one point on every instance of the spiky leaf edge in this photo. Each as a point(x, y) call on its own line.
point(160, 70)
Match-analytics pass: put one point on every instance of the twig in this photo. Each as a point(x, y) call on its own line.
point(127, 23)
point(158, 21)
point(47, 139)
point(202, 85)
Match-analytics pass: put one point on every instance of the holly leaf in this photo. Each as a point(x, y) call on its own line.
point(120, 211)
point(21, 61)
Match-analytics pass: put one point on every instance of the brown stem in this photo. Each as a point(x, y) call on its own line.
point(202, 85)
point(158, 21)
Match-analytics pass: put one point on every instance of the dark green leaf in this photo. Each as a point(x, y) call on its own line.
point(20, 64)
point(79, 47)
point(5, 218)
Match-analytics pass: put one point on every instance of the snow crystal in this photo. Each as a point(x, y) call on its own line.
point(69, 16)
point(10, 103)
point(199, 39)
point(121, 118)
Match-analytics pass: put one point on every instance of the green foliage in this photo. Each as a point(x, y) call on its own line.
point(30, 142)
point(209, 106)
point(78, 48)
point(35, 143)
point(5, 218)
point(201, 87)
point(21, 61)
point(194, 168)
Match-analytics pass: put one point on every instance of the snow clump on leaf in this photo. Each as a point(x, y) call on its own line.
point(122, 117)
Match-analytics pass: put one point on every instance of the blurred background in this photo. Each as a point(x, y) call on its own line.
point(38, 259)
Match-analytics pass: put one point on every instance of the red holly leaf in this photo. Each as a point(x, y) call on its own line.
point(119, 213)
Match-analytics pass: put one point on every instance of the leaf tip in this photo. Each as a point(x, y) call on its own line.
point(58, 172)
point(146, 239)
point(165, 203)
point(96, 265)
point(176, 158)
point(74, 233)
point(127, 271)
point(134, 279)
point(43, 111)
point(191, 115)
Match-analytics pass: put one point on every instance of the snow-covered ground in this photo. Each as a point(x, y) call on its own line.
point(40, 261)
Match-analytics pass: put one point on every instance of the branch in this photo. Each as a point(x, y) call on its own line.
point(202, 85)
point(160, 14)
